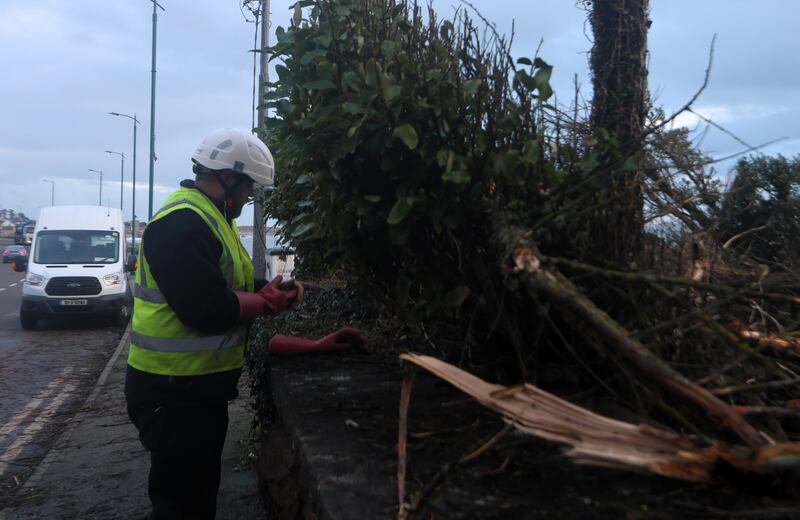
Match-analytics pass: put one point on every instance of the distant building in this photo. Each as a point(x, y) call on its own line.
point(7, 228)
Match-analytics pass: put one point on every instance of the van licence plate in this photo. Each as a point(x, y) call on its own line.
point(73, 302)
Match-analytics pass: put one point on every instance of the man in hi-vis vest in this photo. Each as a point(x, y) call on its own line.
point(194, 297)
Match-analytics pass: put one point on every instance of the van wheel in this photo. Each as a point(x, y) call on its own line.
point(121, 316)
point(28, 320)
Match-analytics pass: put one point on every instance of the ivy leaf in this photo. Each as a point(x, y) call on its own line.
point(631, 164)
point(542, 81)
point(283, 107)
point(320, 84)
point(351, 79)
point(371, 74)
point(391, 92)
point(471, 86)
point(531, 151)
point(303, 180)
point(447, 27)
point(524, 61)
point(589, 163)
point(312, 56)
point(389, 48)
point(545, 91)
point(526, 79)
point(458, 176)
point(298, 14)
point(302, 230)
point(372, 198)
point(399, 211)
point(398, 235)
point(407, 134)
point(456, 297)
point(353, 108)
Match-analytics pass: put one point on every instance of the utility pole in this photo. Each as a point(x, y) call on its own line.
point(153, 111)
point(52, 191)
point(133, 201)
point(259, 216)
point(121, 175)
point(100, 200)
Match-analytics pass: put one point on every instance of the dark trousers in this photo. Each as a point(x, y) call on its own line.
point(185, 444)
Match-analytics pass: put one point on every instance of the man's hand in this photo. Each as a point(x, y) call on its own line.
point(280, 295)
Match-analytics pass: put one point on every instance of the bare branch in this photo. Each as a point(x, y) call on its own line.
point(688, 105)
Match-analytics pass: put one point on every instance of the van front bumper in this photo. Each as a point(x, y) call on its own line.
point(45, 306)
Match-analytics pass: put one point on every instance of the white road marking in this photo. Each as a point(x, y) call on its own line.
point(22, 279)
point(34, 403)
point(2, 288)
point(27, 435)
point(13, 285)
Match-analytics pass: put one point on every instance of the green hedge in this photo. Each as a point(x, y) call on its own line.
point(395, 136)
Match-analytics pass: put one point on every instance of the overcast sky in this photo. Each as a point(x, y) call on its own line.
point(66, 63)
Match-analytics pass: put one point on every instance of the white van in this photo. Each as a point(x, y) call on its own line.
point(77, 266)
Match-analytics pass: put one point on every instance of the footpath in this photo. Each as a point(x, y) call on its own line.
point(97, 469)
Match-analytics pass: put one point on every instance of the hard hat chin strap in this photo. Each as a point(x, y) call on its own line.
point(228, 203)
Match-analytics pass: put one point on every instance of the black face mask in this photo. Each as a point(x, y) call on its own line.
point(230, 210)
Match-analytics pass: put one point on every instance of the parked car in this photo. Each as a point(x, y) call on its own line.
point(11, 253)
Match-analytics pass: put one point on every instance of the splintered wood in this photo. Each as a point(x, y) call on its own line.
point(606, 442)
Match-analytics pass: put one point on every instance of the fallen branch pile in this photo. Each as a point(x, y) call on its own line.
point(600, 441)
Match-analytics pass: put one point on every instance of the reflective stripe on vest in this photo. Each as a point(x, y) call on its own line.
point(198, 344)
point(148, 295)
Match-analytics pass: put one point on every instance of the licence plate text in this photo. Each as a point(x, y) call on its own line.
point(73, 302)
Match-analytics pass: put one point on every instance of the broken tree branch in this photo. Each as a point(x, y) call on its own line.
point(765, 338)
point(767, 385)
point(602, 441)
point(560, 290)
point(775, 411)
point(402, 436)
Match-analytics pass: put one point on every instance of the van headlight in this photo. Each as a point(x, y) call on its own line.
point(113, 279)
point(34, 279)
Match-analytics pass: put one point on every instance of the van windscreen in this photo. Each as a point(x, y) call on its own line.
point(76, 247)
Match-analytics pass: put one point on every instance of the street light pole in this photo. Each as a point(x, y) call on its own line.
point(101, 183)
point(52, 191)
point(152, 111)
point(133, 202)
point(259, 216)
point(121, 175)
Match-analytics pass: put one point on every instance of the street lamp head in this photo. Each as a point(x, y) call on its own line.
point(133, 117)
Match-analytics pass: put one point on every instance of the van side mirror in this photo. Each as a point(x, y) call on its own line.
point(20, 265)
point(131, 265)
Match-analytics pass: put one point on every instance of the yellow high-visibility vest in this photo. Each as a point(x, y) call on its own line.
point(160, 342)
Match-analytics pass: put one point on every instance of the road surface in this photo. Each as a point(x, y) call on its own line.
point(45, 376)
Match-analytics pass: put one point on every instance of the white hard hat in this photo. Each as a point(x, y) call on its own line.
point(241, 152)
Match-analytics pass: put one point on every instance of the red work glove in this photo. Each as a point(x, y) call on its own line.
point(279, 295)
point(343, 339)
